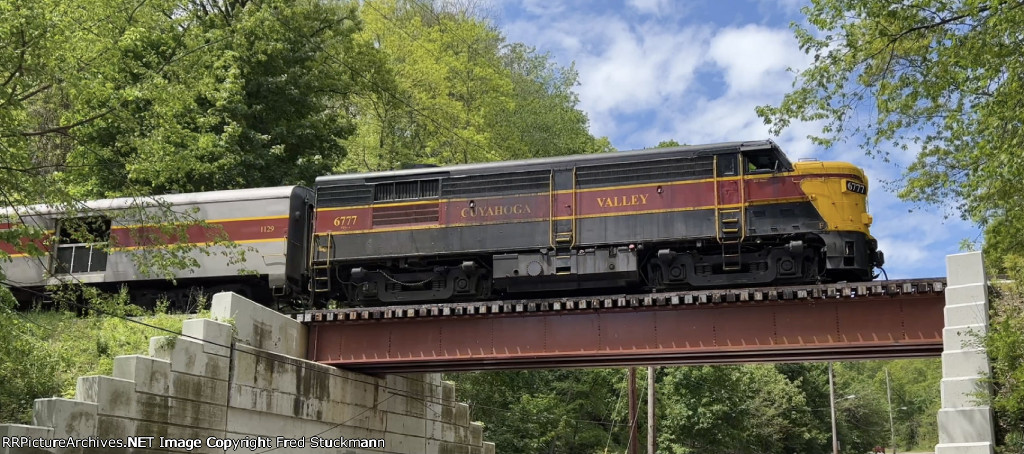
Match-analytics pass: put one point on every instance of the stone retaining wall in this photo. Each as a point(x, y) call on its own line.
point(248, 382)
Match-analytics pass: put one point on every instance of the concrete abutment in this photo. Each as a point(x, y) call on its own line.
point(247, 380)
point(966, 423)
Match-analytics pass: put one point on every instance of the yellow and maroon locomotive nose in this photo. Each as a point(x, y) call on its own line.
point(838, 191)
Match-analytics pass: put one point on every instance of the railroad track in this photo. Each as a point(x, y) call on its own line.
point(891, 288)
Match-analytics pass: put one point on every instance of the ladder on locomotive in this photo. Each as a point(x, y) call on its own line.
point(321, 270)
point(562, 230)
point(730, 205)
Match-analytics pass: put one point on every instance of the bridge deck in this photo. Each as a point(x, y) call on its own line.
point(885, 319)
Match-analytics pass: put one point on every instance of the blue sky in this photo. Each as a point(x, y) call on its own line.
point(693, 71)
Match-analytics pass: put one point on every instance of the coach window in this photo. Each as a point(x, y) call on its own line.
point(727, 165)
point(82, 245)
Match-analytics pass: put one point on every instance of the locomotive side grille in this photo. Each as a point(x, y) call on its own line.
point(405, 214)
point(346, 195)
point(673, 169)
point(497, 184)
point(405, 190)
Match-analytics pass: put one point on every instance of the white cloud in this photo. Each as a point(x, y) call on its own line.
point(786, 6)
point(543, 7)
point(637, 71)
point(756, 58)
point(650, 6)
point(624, 69)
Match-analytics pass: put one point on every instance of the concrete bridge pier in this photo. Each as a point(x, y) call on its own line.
point(244, 377)
point(966, 424)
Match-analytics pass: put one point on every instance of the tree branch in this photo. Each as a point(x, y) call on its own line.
point(65, 128)
point(938, 24)
point(34, 92)
point(21, 61)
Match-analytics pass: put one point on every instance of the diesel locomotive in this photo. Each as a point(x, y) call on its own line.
point(730, 214)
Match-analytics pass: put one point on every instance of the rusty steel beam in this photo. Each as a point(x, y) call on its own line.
point(900, 319)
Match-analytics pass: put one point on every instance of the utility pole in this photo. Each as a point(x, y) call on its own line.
point(892, 430)
point(650, 410)
point(633, 445)
point(832, 405)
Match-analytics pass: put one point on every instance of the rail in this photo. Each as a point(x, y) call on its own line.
point(623, 301)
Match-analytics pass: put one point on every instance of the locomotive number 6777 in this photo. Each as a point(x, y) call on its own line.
point(717, 215)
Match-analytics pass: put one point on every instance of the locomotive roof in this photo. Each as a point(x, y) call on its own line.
point(541, 163)
point(189, 198)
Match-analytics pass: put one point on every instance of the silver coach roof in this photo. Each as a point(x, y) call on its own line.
point(189, 198)
point(716, 148)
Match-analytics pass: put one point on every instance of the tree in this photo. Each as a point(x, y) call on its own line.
point(941, 79)
point(668, 143)
point(256, 98)
point(457, 92)
point(740, 409)
point(1005, 345)
point(555, 411)
point(543, 119)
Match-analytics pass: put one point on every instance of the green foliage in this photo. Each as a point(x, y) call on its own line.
point(668, 143)
point(449, 89)
point(546, 411)
point(29, 365)
point(733, 409)
point(42, 354)
point(941, 79)
point(1005, 344)
point(216, 88)
point(737, 409)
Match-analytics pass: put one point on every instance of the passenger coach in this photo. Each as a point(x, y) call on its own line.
point(106, 242)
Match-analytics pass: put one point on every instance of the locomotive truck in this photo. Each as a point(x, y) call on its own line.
point(720, 215)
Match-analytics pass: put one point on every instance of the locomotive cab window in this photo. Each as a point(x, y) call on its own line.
point(762, 161)
point(726, 165)
point(81, 246)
